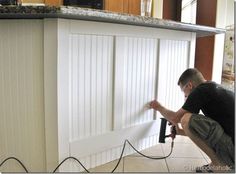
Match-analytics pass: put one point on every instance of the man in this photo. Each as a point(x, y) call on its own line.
point(213, 132)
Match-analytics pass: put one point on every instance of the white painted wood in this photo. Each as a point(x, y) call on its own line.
point(63, 89)
point(87, 146)
point(89, 82)
point(119, 72)
point(173, 60)
point(192, 47)
point(21, 94)
point(218, 58)
point(50, 93)
point(91, 69)
point(224, 18)
point(93, 57)
point(188, 11)
point(101, 28)
point(134, 80)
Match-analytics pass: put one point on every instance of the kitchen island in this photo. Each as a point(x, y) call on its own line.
point(76, 82)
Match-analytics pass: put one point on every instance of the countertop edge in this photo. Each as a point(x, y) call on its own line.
point(41, 12)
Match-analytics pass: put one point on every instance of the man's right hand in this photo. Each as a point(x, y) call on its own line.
point(155, 105)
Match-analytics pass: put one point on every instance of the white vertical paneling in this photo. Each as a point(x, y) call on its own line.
point(50, 92)
point(87, 85)
point(21, 94)
point(93, 83)
point(80, 79)
point(136, 66)
point(91, 69)
point(172, 62)
point(91, 92)
point(119, 72)
point(99, 85)
point(63, 89)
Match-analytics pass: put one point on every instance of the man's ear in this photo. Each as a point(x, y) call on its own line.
point(191, 85)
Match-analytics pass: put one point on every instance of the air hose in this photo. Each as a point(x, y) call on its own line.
point(121, 155)
point(14, 158)
point(162, 137)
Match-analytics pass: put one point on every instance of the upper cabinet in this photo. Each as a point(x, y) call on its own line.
point(32, 1)
point(54, 2)
point(123, 6)
point(116, 5)
point(134, 7)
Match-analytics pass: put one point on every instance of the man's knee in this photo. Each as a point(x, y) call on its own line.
point(185, 120)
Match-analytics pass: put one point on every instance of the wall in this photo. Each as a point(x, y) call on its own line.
point(157, 10)
point(22, 94)
point(230, 12)
point(172, 10)
point(188, 12)
point(224, 17)
point(205, 46)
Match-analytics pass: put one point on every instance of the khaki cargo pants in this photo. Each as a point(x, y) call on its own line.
point(213, 134)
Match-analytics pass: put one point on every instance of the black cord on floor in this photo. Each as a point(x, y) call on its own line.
point(71, 157)
point(14, 158)
point(153, 158)
point(121, 155)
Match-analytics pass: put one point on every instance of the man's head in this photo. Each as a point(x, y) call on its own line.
point(189, 80)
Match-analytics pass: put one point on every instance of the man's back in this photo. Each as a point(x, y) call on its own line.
point(215, 102)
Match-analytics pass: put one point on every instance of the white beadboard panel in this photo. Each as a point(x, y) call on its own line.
point(173, 60)
point(105, 79)
point(90, 93)
point(102, 152)
point(135, 80)
point(22, 94)
point(86, 147)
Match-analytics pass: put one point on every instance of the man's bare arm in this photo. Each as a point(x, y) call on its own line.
point(171, 116)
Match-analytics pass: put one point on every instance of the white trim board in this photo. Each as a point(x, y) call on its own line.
point(95, 144)
point(101, 28)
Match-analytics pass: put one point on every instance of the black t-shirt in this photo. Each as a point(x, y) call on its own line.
point(215, 102)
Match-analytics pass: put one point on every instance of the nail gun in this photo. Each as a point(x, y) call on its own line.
point(163, 135)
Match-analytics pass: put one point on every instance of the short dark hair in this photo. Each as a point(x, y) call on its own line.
point(191, 74)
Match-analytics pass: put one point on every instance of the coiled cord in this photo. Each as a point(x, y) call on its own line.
point(121, 155)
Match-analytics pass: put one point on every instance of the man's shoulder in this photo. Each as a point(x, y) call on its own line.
point(211, 87)
point(208, 85)
point(205, 88)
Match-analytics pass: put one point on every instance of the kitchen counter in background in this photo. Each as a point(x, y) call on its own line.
point(38, 12)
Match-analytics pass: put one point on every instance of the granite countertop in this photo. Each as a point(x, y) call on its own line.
point(40, 12)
